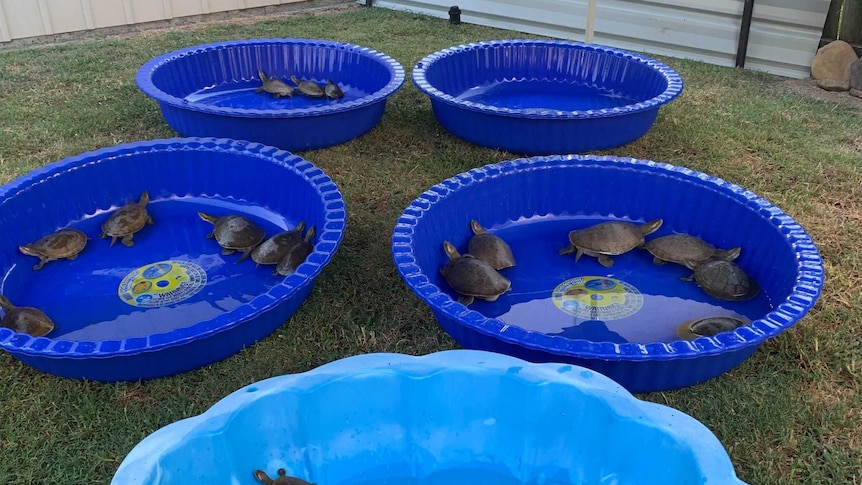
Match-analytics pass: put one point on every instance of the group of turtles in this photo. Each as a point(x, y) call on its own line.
point(286, 250)
point(279, 88)
point(476, 274)
point(67, 244)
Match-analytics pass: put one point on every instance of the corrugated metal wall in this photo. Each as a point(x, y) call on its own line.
point(21, 19)
point(784, 33)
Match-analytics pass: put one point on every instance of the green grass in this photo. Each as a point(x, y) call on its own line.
point(790, 414)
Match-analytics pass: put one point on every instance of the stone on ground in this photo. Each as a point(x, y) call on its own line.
point(833, 61)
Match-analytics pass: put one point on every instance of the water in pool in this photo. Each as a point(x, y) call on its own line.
point(536, 94)
point(635, 300)
point(243, 95)
point(172, 277)
point(465, 476)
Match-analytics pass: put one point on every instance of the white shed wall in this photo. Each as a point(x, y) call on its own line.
point(21, 19)
point(784, 34)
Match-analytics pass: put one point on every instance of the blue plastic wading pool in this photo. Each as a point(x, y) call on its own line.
point(621, 321)
point(209, 90)
point(459, 417)
point(545, 96)
point(172, 302)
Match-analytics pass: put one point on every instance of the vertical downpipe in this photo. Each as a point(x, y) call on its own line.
point(744, 29)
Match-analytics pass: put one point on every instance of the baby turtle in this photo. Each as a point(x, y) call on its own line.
point(275, 87)
point(127, 220)
point(282, 479)
point(723, 279)
point(274, 249)
point(471, 277)
point(25, 319)
point(234, 233)
point(332, 90)
point(490, 248)
point(65, 243)
point(679, 248)
point(707, 327)
point(296, 254)
point(309, 88)
point(608, 239)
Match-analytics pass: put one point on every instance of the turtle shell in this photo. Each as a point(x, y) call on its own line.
point(273, 86)
point(725, 280)
point(490, 248)
point(471, 276)
point(707, 327)
point(65, 243)
point(611, 238)
point(237, 232)
point(309, 88)
point(27, 320)
point(680, 248)
point(332, 90)
point(127, 220)
point(296, 254)
point(274, 249)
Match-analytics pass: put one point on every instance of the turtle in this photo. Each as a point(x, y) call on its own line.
point(707, 327)
point(282, 479)
point(332, 90)
point(309, 88)
point(25, 319)
point(233, 233)
point(63, 244)
point(607, 239)
point(127, 220)
point(679, 248)
point(489, 248)
point(273, 86)
point(296, 254)
point(471, 277)
point(273, 250)
point(722, 279)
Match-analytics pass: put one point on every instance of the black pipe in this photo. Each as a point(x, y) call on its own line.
point(744, 29)
point(454, 15)
point(368, 3)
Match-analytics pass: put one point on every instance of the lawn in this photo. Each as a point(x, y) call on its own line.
point(790, 414)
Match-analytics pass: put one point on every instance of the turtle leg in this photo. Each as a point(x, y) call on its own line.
point(127, 241)
point(245, 254)
point(687, 278)
point(41, 263)
point(210, 235)
point(102, 235)
point(113, 240)
point(227, 251)
point(465, 300)
point(72, 257)
point(579, 254)
point(567, 250)
point(606, 260)
point(149, 219)
point(491, 298)
point(658, 261)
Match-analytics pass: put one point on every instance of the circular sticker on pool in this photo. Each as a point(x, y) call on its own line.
point(162, 283)
point(597, 298)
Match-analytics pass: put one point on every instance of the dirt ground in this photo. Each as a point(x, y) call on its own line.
point(808, 88)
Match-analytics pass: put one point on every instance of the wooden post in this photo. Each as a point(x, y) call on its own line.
point(591, 21)
point(851, 22)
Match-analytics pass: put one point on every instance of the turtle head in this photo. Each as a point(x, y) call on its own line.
point(5, 303)
point(262, 477)
point(261, 75)
point(691, 264)
point(294, 79)
point(28, 250)
point(450, 250)
point(208, 217)
point(651, 226)
point(145, 198)
point(476, 227)
point(300, 227)
point(729, 254)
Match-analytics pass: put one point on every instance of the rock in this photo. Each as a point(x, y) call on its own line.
point(833, 84)
point(856, 75)
point(856, 92)
point(833, 61)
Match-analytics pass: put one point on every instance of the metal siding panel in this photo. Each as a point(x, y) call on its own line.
point(223, 5)
point(146, 11)
point(184, 8)
point(24, 19)
point(784, 33)
point(65, 16)
point(107, 13)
